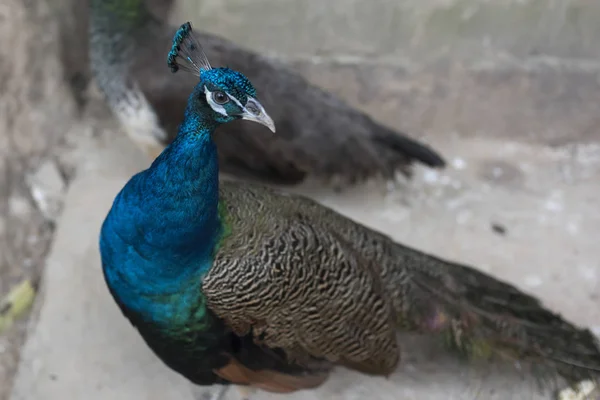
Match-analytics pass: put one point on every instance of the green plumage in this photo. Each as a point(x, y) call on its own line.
point(121, 13)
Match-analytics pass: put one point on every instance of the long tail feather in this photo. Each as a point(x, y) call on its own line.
point(482, 316)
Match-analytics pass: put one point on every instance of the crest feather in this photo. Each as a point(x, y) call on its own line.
point(187, 53)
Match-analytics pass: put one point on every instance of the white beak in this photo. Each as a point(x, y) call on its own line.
point(254, 111)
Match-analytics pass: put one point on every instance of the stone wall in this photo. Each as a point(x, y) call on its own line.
point(526, 69)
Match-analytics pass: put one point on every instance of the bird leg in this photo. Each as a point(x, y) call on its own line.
point(246, 392)
point(586, 390)
point(218, 394)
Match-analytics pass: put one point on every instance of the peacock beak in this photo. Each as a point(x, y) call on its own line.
point(254, 111)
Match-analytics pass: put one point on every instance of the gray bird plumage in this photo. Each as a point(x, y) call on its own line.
point(321, 135)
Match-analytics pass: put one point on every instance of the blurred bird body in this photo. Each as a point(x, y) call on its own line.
point(236, 283)
point(322, 136)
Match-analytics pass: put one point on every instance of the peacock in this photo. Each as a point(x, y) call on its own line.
point(321, 136)
point(232, 282)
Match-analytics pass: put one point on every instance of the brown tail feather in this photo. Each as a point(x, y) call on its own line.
point(483, 316)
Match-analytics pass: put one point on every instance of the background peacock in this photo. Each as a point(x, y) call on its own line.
point(322, 136)
point(233, 282)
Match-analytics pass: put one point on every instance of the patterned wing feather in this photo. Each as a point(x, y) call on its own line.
point(294, 285)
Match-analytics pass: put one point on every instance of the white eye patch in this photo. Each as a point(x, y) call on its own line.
point(255, 109)
point(217, 107)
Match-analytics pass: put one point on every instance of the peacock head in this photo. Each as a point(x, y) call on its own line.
point(228, 93)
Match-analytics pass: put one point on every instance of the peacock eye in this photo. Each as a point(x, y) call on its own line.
point(220, 97)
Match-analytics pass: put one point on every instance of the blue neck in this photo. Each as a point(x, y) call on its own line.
point(179, 193)
point(159, 236)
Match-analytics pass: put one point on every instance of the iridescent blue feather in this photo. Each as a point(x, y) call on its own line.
point(187, 53)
